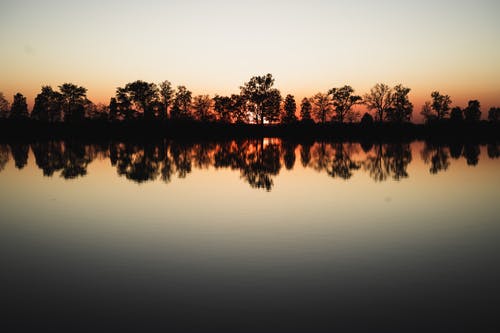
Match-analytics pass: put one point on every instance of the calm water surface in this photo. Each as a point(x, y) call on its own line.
point(249, 236)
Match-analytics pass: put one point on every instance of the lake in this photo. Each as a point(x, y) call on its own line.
point(261, 235)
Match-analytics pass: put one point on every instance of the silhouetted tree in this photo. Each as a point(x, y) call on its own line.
point(305, 110)
point(262, 98)
point(48, 105)
point(343, 100)
point(440, 104)
point(494, 114)
point(380, 100)
point(472, 112)
point(367, 119)
point(427, 112)
point(73, 97)
point(113, 109)
point(167, 95)
point(202, 108)
point(182, 104)
point(19, 108)
point(142, 95)
point(290, 108)
point(322, 107)
point(401, 109)
point(238, 109)
point(223, 108)
point(124, 104)
point(456, 114)
point(4, 107)
point(97, 111)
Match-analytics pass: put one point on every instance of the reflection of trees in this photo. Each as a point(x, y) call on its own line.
point(321, 156)
point(260, 162)
point(257, 160)
point(49, 156)
point(305, 153)
point(20, 154)
point(493, 150)
point(71, 158)
point(75, 159)
point(471, 153)
point(342, 164)
point(4, 156)
point(137, 163)
point(182, 157)
point(456, 150)
point(388, 160)
point(288, 149)
point(436, 156)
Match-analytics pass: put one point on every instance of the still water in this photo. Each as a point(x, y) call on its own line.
point(249, 236)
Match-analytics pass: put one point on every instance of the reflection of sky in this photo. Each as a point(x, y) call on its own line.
point(217, 206)
point(211, 245)
point(214, 46)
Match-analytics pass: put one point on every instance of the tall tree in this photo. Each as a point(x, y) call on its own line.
point(440, 104)
point(73, 98)
point(124, 104)
point(113, 109)
point(142, 94)
point(4, 107)
point(238, 109)
point(322, 107)
point(290, 108)
point(201, 107)
point(473, 111)
point(19, 108)
point(343, 100)
point(272, 106)
point(167, 95)
point(427, 112)
point(182, 104)
point(456, 114)
point(262, 98)
point(305, 109)
point(367, 119)
point(222, 107)
point(494, 114)
point(401, 109)
point(379, 99)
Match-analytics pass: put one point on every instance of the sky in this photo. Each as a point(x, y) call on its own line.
point(213, 47)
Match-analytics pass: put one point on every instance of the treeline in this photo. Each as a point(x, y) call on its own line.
point(257, 103)
point(257, 160)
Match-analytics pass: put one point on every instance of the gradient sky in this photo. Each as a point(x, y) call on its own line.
point(215, 46)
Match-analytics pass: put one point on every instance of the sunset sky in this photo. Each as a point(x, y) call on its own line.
point(215, 46)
